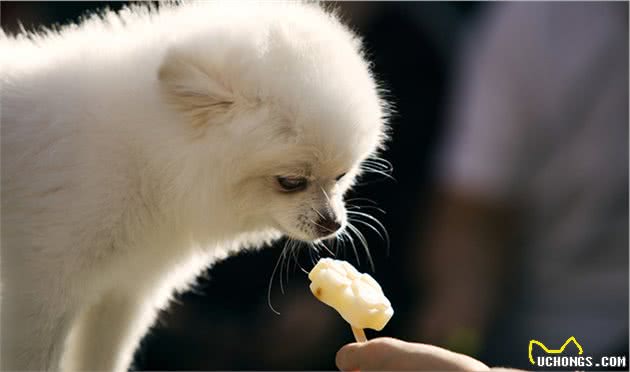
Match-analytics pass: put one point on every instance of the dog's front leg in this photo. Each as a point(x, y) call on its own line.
point(107, 333)
point(33, 332)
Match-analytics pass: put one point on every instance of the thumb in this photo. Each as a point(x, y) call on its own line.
point(348, 357)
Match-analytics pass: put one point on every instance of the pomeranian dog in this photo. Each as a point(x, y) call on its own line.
point(140, 147)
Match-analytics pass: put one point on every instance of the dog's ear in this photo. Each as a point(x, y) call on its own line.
point(195, 90)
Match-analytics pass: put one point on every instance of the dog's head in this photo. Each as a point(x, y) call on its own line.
point(289, 109)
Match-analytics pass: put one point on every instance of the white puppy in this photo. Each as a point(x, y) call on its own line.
point(140, 147)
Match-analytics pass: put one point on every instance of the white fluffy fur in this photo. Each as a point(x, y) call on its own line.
point(140, 147)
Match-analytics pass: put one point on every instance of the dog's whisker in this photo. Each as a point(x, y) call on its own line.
point(296, 257)
point(345, 238)
point(325, 194)
point(337, 243)
point(316, 224)
point(380, 225)
point(287, 261)
point(318, 213)
point(354, 248)
point(310, 253)
point(368, 225)
point(377, 166)
point(283, 264)
point(368, 216)
point(361, 238)
point(361, 199)
point(374, 168)
point(323, 245)
point(293, 256)
point(384, 174)
point(273, 273)
point(379, 162)
point(359, 207)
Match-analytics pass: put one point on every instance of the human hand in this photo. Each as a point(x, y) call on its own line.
point(390, 354)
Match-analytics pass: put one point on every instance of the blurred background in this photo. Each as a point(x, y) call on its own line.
point(507, 214)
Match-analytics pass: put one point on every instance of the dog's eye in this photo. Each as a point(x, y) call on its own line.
point(339, 177)
point(291, 184)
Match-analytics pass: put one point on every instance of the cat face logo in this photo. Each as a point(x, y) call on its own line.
point(553, 351)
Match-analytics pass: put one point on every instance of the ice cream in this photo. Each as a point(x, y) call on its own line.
point(357, 297)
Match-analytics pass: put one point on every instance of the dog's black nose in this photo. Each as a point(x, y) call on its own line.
point(328, 225)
